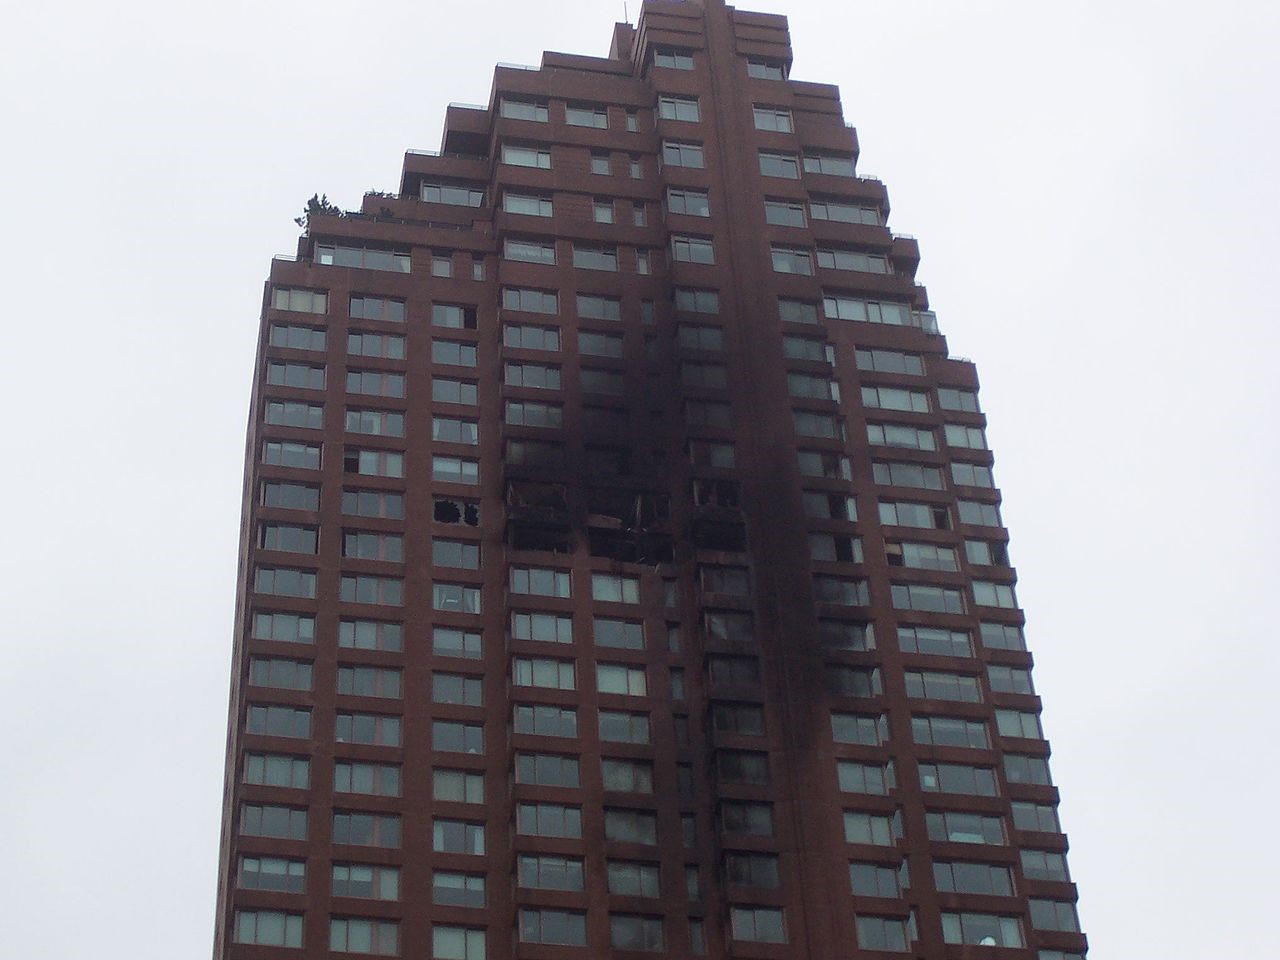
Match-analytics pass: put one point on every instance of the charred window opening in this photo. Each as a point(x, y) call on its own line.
point(445, 510)
point(718, 535)
point(533, 536)
point(715, 493)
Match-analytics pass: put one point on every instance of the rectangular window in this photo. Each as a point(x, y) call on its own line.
point(779, 165)
point(363, 307)
point(526, 156)
point(455, 470)
point(284, 627)
point(697, 301)
point(293, 337)
point(983, 929)
point(544, 720)
point(950, 732)
point(837, 259)
point(368, 728)
point(283, 413)
point(586, 116)
point(274, 721)
point(356, 935)
point(375, 779)
point(621, 679)
point(272, 873)
point(777, 119)
point(283, 582)
point(968, 438)
point(457, 836)
point(386, 346)
point(538, 581)
point(376, 423)
point(536, 375)
point(874, 779)
point(523, 110)
point(671, 107)
point(271, 820)
point(844, 212)
point(365, 257)
point(544, 627)
point(454, 430)
point(901, 436)
point(958, 778)
point(923, 516)
point(955, 826)
point(555, 820)
point(455, 642)
point(283, 453)
point(672, 59)
point(361, 588)
point(457, 786)
point(280, 673)
point(692, 250)
point(373, 503)
point(457, 889)
point(676, 153)
point(619, 727)
point(299, 301)
point(366, 881)
point(382, 682)
point(791, 260)
point(454, 737)
point(275, 770)
point(565, 927)
point(370, 635)
point(547, 872)
point(453, 194)
point(531, 338)
point(547, 770)
point(871, 731)
point(688, 201)
point(784, 213)
point(531, 206)
point(914, 475)
point(268, 928)
point(453, 353)
point(595, 258)
point(972, 475)
point(530, 251)
point(543, 672)
point(457, 943)
point(612, 588)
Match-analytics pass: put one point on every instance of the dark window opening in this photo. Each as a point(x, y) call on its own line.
point(718, 535)
point(456, 511)
point(715, 493)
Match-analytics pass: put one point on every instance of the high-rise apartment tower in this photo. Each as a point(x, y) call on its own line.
point(622, 567)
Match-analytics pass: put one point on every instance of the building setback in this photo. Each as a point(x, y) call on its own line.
point(622, 567)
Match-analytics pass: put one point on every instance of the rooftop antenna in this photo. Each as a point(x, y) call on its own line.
point(625, 15)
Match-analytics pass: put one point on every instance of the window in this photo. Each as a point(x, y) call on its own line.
point(457, 737)
point(268, 928)
point(712, 376)
point(889, 361)
point(627, 776)
point(286, 537)
point(285, 583)
point(376, 779)
point(373, 546)
point(442, 265)
point(958, 778)
point(630, 826)
point(634, 168)
point(535, 453)
point(457, 786)
point(370, 635)
point(831, 466)
point(373, 503)
point(697, 301)
point(270, 820)
point(921, 556)
point(934, 641)
point(612, 588)
point(545, 627)
point(300, 375)
point(874, 829)
point(602, 211)
point(757, 924)
point(633, 879)
point(455, 553)
point(274, 770)
point(455, 642)
point(361, 588)
point(986, 553)
point(545, 872)
point(865, 730)
point(274, 721)
point(742, 816)
point(552, 926)
point(457, 889)
point(365, 881)
point(1029, 770)
point(618, 727)
point(377, 937)
point(595, 258)
point(446, 390)
point(972, 475)
point(671, 107)
point(376, 308)
point(452, 194)
point(688, 201)
point(531, 338)
point(1059, 915)
point(284, 627)
point(797, 311)
point(840, 307)
point(547, 770)
point(983, 929)
point(535, 375)
point(772, 118)
point(531, 206)
point(377, 423)
point(526, 156)
point(957, 827)
point(1001, 636)
point(523, 110)
point(457, 943)
point(386, 346)
point(901, 436)
point(807, 348)
point(283, 413)
point(924, 516)
point(1044, 865)
point(977, 878)
point(368, 258)
point(761, 69)
point(672, 59)
point(846, 635)
point(844, 212)
point(600, 164)
point(368, 728)
point(549, 820)
point(949, 732)
point(791, 260)
point(621, 679)
point(300, 301)
point(1018, 723)
point(586, 116)
point(741, 766)
point(678, 154)
point(784, 213)
point(545, 720)
point(838, 590)
point(831, 164)
point(453, 353)
point(530, 251)
point(833, 259)
point(373, 463)
point(272, 873)
point(539, 581)
point(875, 880)
point(455, 470)
point(282, 453)
point(280, 673)
point(692, 250)
point(543, 672)
point(635, 933)
point(618, 633)
point(883, 933)
point(874, 779)
point(856, 682)
point(918, 596)
point(969, 438)
point(988, 594)
point(457, 836)
point(978, 514)
point(456, 688)
point(931, 685)
point(783, 165)
point(895, 398)
point(292, 496)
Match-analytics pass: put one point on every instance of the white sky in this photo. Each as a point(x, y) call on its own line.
point(1095, 192)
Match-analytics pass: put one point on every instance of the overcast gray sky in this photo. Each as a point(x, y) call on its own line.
point(1094, 186)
